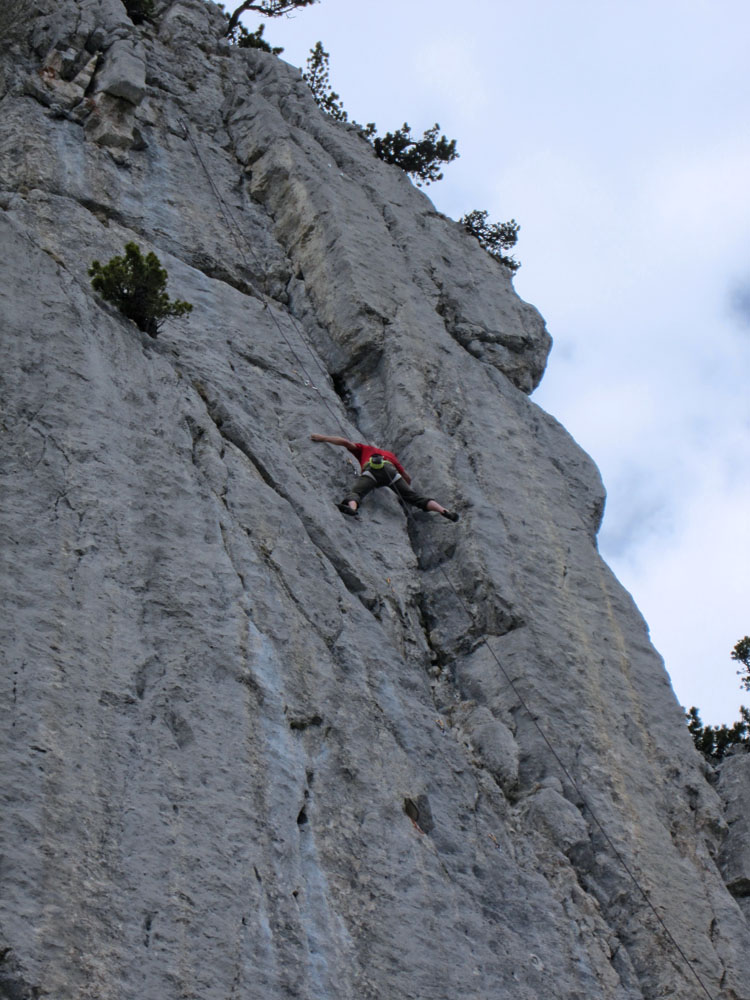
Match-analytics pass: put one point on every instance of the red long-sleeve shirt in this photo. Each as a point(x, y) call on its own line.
point(363, 453)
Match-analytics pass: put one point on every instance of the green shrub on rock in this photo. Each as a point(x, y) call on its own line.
point(741, 654)
point(715, 741)
point(245, 39)
point(316, 78)
point(136, 285)
point(267, 8)
point(495, 237)
point(419, 157)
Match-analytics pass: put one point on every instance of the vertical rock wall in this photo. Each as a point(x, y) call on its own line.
point(251, 748)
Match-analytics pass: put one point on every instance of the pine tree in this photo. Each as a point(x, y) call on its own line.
point(419, 157)
point(495, 237)
point(136, 285)
point(245, 39)
point(741, 654)
point(268, 8)
point(316, 78)
point(714, 741)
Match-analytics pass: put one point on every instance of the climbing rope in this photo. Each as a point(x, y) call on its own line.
point(239, 239)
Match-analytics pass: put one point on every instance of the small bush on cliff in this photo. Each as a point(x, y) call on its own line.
point(714, 741)
point(316, 78)
point(139, 10)
point(495, 237)
point(245, 39)
point(136, 285)
point(421, 158)
point(268, 8)
point(741, 654)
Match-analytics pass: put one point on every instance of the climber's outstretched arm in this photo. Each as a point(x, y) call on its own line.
point(341, 441)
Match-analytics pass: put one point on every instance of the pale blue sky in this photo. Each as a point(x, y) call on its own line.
point(617, 135)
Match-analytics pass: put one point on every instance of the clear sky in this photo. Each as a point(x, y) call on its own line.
point(618, 136)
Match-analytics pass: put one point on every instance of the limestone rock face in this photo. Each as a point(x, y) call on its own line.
point(252, 748)
point(734, 789)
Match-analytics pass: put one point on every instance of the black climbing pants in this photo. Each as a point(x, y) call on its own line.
point(387, 476)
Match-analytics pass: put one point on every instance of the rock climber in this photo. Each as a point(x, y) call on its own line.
point(379, 468)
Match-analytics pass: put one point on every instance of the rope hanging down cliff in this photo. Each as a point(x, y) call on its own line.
point(239, 239)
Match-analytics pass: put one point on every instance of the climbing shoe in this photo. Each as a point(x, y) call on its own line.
point(346, 509)
point(451, 515)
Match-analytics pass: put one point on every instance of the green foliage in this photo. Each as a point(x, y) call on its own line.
point(419, 157)
point(741, 654)
point(139, 10)
point(268, 8)
point(316, 78)
point(245, 39)
point(136, 285)
point(714, 741)
point(495, 237)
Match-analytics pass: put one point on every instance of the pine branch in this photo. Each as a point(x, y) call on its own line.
point(268, 8)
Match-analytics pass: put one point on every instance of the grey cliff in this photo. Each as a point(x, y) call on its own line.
point(252, 748)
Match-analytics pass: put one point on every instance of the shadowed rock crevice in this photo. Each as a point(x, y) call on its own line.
point(223, 420)
point(419, 812)
point(13, 984)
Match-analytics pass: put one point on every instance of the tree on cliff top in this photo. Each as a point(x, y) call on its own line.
point(495, 237)
point(741, 654)
point(419, 157)
point(245, 39)
point(714, 741)
point(268, 8)
point(317, 80)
